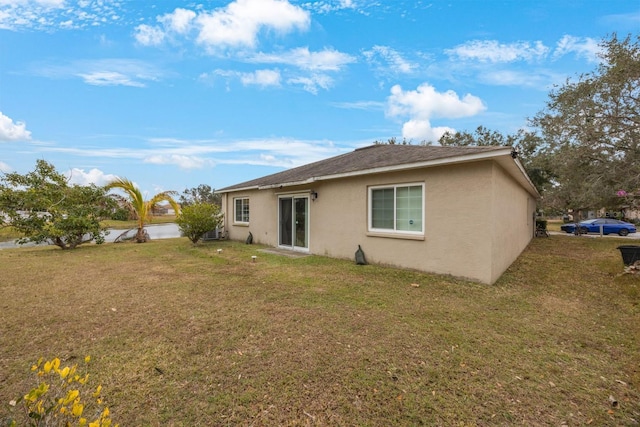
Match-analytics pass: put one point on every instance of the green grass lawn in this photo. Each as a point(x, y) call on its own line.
point(8, 234)
point(182, 335)
point(554, 225)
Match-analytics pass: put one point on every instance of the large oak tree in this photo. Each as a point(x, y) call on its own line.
point(592, 130)
point(527, 146)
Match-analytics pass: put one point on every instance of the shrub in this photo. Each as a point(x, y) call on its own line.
point(541, 224)
point(121, 214)
point(197, 219)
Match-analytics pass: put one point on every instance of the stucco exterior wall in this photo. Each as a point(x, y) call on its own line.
point(513, 221)
point(263, 210)
point(466, 208)
point(457, 221)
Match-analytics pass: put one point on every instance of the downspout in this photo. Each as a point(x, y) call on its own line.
point(226, 214)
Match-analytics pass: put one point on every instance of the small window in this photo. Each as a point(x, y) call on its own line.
point(397, 208)
point(241, 210)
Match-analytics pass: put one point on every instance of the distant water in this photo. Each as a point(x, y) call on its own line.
point(161, 231)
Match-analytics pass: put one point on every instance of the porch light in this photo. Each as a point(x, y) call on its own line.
point(314, 195)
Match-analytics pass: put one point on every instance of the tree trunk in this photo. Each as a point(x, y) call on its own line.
point(60, 243)
point(141, 235)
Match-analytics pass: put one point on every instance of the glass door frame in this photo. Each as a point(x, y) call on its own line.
point(293, 232)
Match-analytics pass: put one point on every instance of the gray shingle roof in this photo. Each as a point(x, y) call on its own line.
point(364, 159)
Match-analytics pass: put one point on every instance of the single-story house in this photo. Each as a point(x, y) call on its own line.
point(462, 211)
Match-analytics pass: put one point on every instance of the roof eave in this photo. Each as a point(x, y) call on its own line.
point(233, 190)
point(520, 176)
point(288, 184)
point(532, 188)
point(417, 165)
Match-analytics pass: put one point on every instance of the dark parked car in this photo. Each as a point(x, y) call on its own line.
point(593, 226)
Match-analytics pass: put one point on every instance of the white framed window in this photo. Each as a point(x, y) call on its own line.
point(397, 209)
point(241, 210)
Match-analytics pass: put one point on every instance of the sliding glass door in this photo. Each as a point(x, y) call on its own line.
point(293, 222)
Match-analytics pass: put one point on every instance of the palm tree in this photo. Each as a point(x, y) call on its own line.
point(142, 209)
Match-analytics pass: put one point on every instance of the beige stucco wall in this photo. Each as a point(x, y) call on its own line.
point(263, 209)
point(475, 220)
point(514, 223)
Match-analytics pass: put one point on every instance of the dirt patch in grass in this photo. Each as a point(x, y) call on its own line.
point(184, 335)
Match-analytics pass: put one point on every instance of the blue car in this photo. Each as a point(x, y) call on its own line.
point(608, 226)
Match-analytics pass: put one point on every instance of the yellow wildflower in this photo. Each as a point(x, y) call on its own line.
point(84, 379)
point(97, 392)
point(64, 372)
point(71, 396)
point(77, 408)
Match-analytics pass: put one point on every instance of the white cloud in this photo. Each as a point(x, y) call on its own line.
point(94, 176)
point(425, 103)
point(392, 59)
point(268, 158)
point(51, 3)
point(147, 35)
point(423, 131)
point(283, 152)
point(222, 73)
point(312, 83)
point(324, 60)
point(583, 47)
point(109, 78)
point(104, 72)
point(10, 131)
point(49, 15)
point(328, 6)
point(238, 24)
point(275, 152)
point(5, 168)
point(45, 3)
point(182, 161)
point(180, 21)
point(360, 105)
point(262, 78)
point(495, 52)
point(189, 154)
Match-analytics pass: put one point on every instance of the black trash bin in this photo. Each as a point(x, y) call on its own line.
point(630, 254)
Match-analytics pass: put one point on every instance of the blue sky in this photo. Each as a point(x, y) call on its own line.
point(174, 94)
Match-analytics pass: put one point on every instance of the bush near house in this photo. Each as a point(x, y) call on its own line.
point(197, 219)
